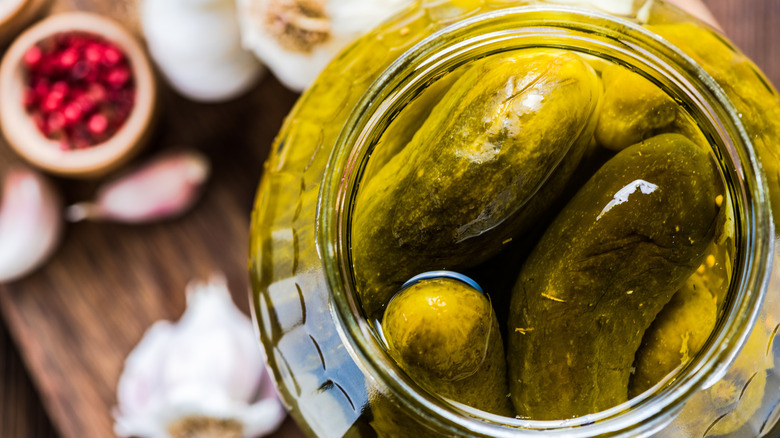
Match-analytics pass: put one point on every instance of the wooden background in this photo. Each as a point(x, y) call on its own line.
point(64, 337)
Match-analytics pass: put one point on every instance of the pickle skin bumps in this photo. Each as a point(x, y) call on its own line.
point(444, 334)
point(493, 154)
point(603, 270)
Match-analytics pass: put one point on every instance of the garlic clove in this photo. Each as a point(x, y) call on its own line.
point(203, 374)
point(296, 39)
point(30, 223)
point(204, 66)
point(163, 188)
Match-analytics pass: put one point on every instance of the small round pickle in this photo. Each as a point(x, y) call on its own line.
point(494, 153)
point(603, 270)
point(633, 109)
point(676, 335)
point(445, 335)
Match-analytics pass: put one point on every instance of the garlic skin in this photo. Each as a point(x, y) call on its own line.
point(30, 223)
point(197, 45)
point(296, 39)
point(164, 188)
point(206, 370)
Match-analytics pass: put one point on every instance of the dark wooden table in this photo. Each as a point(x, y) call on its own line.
point(126, 279)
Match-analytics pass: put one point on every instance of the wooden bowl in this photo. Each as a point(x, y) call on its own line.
point(22, 133)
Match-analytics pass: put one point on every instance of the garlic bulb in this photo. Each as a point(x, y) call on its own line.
point(197, 45)
point(202, 376)
point(30, 223)
point(297, 38)
point(163, 188)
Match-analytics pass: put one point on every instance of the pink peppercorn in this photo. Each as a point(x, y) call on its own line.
point(98, 124)
point(67, 93)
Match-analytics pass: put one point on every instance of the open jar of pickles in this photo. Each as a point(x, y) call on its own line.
point(582, 202)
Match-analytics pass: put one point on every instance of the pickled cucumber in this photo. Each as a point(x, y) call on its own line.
point(445, 335)
point(407, 122)
point(601, 273)
point(632, 109)
point(676, 335)
point(491, 156)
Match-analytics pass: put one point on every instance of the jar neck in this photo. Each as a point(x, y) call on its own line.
point(590, 33)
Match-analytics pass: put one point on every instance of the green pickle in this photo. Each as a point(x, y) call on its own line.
point(632, 110)
point(493, 153)
point(400, 132)
point(602, 272)
point(445, 335)
point(676, 335)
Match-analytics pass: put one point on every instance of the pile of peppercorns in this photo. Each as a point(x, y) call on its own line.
point(80, 88)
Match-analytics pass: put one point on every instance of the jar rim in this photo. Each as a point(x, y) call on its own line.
point(642, 415)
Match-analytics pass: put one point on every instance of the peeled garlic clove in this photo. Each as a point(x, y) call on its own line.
point(197, 45)
point(30, 223)
point(163, 188)
point(204, 372)
point(297, 38)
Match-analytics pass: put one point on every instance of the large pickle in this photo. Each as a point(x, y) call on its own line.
point(445, 335)
point(601, 273)
point(492, 155)
point(676, 335)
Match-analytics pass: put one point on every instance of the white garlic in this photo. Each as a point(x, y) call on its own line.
point(197, 45)
point(295, 39)
point(163, 188)
point(7, 7)
point(30, 223)
point(205, 373)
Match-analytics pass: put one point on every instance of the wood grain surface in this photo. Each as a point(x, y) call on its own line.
point(76, 320)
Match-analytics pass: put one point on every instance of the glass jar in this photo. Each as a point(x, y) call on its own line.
point(328, 360)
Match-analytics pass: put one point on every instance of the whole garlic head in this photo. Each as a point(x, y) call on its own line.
point(197, 45)
point(203, 374)
point(297, 38)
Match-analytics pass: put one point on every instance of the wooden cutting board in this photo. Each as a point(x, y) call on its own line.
point(75, 320)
